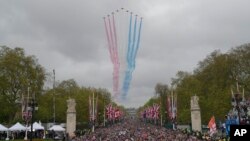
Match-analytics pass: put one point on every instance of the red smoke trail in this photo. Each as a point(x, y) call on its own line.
point(112, 42)
point(113, 50)
point(108, 38)
point(116, 61)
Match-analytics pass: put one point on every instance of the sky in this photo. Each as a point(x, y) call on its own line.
point(69, 36)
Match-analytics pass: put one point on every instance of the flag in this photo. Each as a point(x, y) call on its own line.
point(212, 126)
point(175, 106)
point(117, 113)
point(26, 113)
point(109, 109)
point(150, 112)
point(156, 111)
point(113, 113)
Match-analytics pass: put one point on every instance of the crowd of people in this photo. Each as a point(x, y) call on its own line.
point(135, 130)
point(240, 110)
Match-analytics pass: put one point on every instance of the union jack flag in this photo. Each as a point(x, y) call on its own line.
point(117, 113)
point(109, 111)
point(156, 108)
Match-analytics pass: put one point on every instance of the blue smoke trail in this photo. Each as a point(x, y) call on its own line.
point(137, 45)
point(127, 73)
point(131, 55)
point(127, 79)
point(133, 47)
point(129, 39)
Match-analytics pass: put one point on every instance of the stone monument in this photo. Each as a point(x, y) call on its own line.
point(71, 118)
point(195, 114)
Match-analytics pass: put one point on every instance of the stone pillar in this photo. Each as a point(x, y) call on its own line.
point(71, 118)
point(195, 114)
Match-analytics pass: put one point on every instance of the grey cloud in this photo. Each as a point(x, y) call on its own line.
point(69, 36)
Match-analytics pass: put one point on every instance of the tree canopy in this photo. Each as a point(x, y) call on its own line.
point(212, 81)
point(18, 72)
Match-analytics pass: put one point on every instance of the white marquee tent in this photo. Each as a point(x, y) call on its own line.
point(56, 128)
point(3, 128)
point(17, 127)
point(36, 126)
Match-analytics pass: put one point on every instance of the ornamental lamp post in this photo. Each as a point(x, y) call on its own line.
point(32, 107)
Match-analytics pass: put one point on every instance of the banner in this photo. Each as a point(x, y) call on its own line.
point(212, 126)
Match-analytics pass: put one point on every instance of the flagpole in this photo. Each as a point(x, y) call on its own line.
point(54, 105)
point(93, 113)
point(26, 130)
point(172, 107)
point(113, 114)
point(175, 118)
point(161, 112)
point(104, 115)
point(161, 119)
point(172, 104)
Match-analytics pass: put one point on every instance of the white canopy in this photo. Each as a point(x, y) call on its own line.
point(36, 126)
point(57, 128)
point(17, 127)
point(3, 128)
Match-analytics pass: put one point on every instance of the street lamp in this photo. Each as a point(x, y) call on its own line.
point(32, 107)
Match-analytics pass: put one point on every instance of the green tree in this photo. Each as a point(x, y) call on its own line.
point(18, 72)
point(212, 81)
point(70, 89)
point(240, 60)
point(188, 86)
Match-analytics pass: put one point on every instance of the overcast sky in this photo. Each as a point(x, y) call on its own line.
point(69, 36)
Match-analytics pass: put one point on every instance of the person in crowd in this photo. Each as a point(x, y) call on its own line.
point(134, 130)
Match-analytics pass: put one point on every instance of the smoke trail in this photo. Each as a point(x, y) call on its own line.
point(133, 47)
point(116, 61)
point(112, 41)
point(138, 43)
point(108, 38)
point(131, 55)
point(118, 43)
point(128, 70)
point(129, 41)
point(111, 29)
